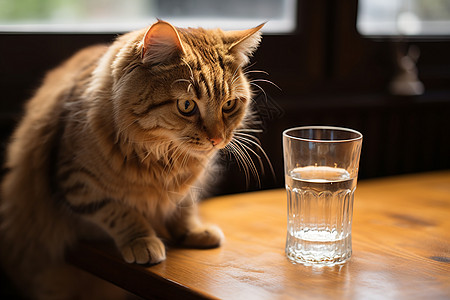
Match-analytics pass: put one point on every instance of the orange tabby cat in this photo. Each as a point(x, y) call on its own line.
point(115, 141)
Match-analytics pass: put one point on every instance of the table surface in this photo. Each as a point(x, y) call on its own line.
point(401, 250)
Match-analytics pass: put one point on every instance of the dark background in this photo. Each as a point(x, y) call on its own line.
point(328, 75)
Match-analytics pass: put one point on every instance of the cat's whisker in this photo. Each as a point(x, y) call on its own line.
point(173, 160)
point(248, 66)
point(242, 141)
point(231, 150)
point(236, 74)
point(241, 150)
point(180, 80)
point(235, 150)
point(258, 145)
point(261, 89)
point(191, 76)
point(254, 138)
point(240, 130)
point(267, 81)
point(239, 87)
point(256, 71)
point(145, 157)
point(236, 70)
point(180, 152)
point(184, 159)
point(234, 80)
point(248, 160)
point(243, 144)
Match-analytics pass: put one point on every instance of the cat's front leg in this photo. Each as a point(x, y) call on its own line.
point(133, 235)
point(187, 229)
point(144, 250)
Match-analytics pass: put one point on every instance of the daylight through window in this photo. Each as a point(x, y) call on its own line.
point(404, 17)
point(120, 16)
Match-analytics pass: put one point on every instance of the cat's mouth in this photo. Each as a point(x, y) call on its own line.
point(203, 150)
point(206, 147)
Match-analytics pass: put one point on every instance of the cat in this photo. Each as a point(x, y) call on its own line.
point(116, 141)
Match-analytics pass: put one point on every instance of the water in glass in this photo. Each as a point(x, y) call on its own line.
point(320, 206)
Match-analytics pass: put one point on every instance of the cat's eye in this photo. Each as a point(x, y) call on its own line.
point(187, 107)
point(229, 106)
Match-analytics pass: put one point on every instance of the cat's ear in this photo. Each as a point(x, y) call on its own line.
point(161, 43)
point(244, 43)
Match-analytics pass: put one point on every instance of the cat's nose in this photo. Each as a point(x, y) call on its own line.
point(216, 140)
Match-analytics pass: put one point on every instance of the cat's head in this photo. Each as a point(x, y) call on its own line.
point(183, 88)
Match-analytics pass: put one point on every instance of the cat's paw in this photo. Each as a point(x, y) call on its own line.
point(207, 236)
point(145, 250)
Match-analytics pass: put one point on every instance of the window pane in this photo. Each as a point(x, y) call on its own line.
point(121, 16)
point(404, 17)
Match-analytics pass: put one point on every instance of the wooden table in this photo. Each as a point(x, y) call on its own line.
point(401, 250)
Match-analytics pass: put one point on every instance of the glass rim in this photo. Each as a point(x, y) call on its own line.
point(358, 137)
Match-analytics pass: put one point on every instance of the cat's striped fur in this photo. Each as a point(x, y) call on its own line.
point(115, 141)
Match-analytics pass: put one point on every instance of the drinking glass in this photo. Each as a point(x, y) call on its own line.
point(321, 169)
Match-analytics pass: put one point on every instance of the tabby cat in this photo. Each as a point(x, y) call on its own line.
point(117, 141)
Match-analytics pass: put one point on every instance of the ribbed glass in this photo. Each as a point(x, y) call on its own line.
point(321, 169)
point(319, 221)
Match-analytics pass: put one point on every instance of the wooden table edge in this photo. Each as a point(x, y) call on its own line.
point(92, 258)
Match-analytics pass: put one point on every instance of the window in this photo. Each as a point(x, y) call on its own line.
point(404, 17)
point(121, 16)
